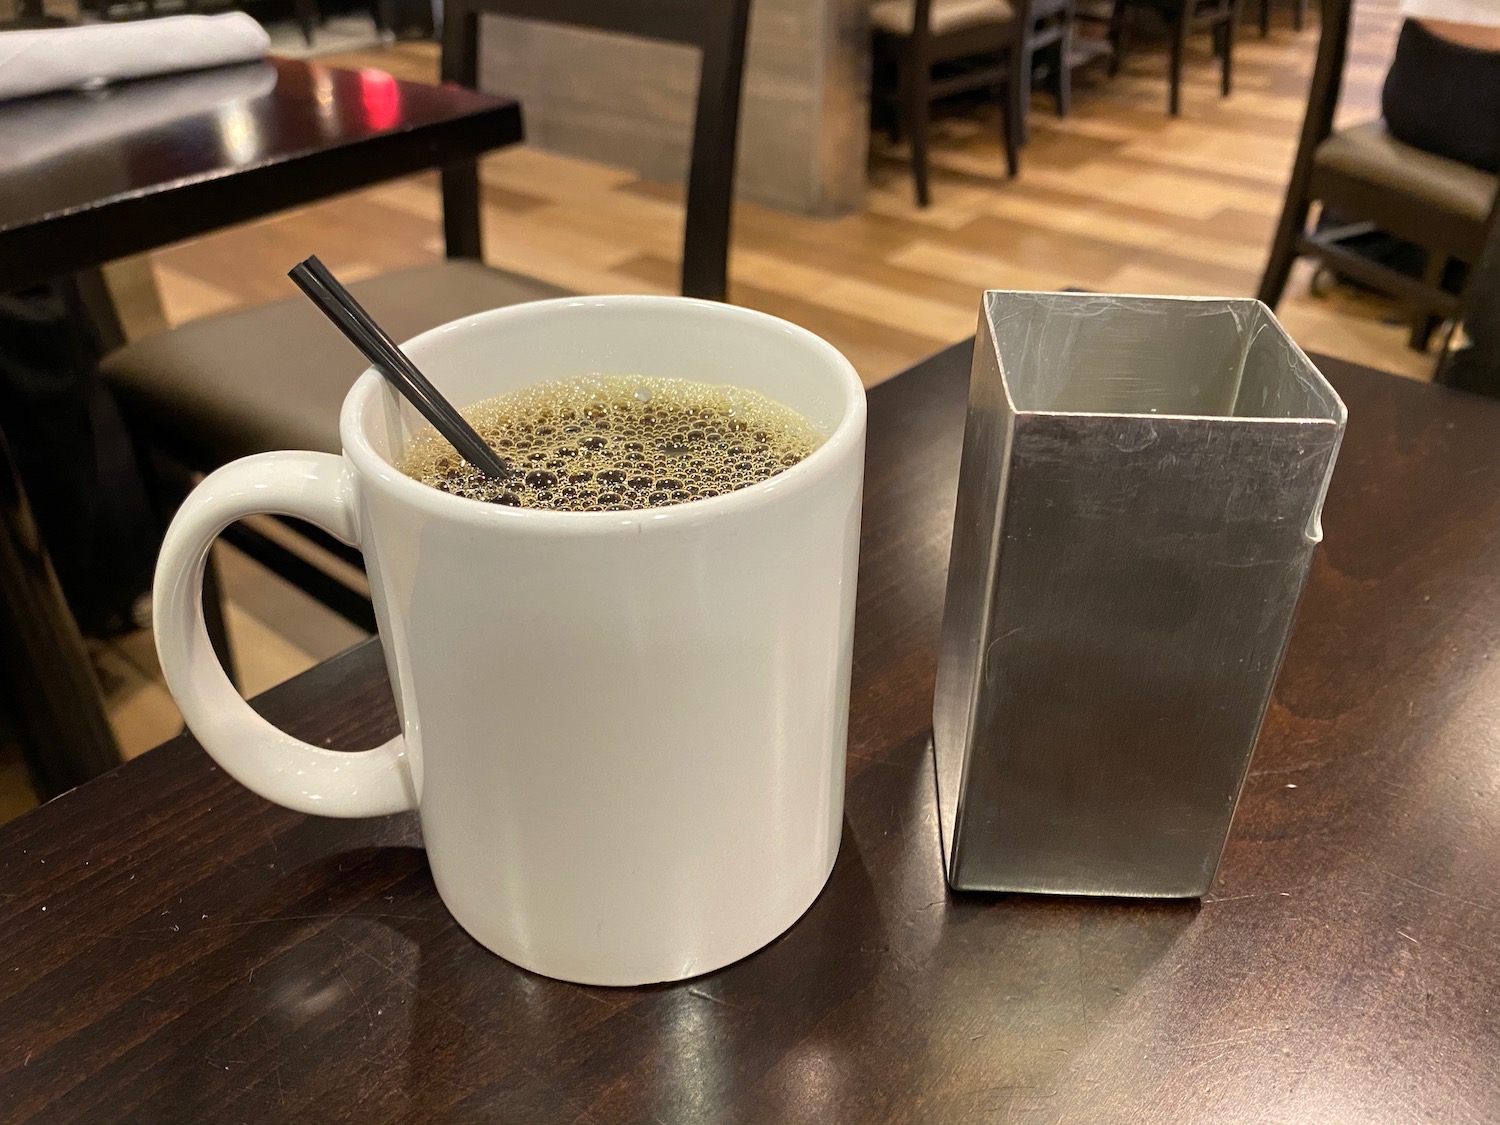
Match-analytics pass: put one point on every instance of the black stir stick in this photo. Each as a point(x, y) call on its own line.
point(349, 316)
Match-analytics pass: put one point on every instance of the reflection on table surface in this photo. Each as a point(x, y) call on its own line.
point(64, 151)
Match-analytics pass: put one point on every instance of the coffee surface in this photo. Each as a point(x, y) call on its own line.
point(611, 443)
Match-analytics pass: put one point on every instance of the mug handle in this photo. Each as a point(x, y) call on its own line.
point(315, 487)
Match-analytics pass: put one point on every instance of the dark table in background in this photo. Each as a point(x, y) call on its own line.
point(86, 178)
point(173, 948)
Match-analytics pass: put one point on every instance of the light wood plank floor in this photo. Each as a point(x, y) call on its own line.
point(1117, 197)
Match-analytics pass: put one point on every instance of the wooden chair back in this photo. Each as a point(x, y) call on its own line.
point(921, 26)
point(1369, 205)
point(717, 28)
point(1327, 83)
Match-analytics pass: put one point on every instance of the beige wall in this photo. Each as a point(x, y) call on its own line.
point(629, 102)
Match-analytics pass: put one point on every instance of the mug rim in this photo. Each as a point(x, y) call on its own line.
point(372, 466)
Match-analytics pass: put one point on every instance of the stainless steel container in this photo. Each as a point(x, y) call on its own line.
point(1138, 504)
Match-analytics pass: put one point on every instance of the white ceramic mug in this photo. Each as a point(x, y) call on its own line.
point(624, 732)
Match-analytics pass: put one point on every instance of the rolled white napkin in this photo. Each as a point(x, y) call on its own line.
point(64, 58)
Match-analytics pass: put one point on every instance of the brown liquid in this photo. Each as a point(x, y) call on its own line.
point(609, 443)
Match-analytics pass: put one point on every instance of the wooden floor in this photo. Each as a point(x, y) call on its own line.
point(1117, 197)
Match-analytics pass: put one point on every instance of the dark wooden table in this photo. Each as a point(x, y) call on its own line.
point(174, 949)
point(89, 177)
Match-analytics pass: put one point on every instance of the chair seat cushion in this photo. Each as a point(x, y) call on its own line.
point(1369, 153)
point(274, 376)
point(895, 16)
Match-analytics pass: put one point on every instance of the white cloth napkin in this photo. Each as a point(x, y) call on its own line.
point(64, 58)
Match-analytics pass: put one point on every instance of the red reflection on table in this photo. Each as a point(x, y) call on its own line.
point(381, 97)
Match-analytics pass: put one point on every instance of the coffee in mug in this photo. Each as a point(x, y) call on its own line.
point(608, 443)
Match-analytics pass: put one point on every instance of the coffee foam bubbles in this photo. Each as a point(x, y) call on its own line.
point(614, 443)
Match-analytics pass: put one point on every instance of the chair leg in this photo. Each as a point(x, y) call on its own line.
point(1013, 116)
point(1028, 69)
point(1265, 19)
point(1476, 366)
point(1117, 34)
point(892, 124)
point(1299, 14)
point(1283, 251)
point(1226, 60)
point(916, 109)
point(1007, 130)
point(463, 217)
point(1062, 87)
point(1422, 327)
point(1179, 48)
point(1424, 323)
point(307, 18)
point(47, 685)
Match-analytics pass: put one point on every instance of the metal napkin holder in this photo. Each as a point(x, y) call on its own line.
point(1138, 505)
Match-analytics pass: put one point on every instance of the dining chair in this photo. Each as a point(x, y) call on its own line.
point(273, 376)
point(926, 50)
point(1182, 17)
point(1373, 182)
point(1050, 40)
